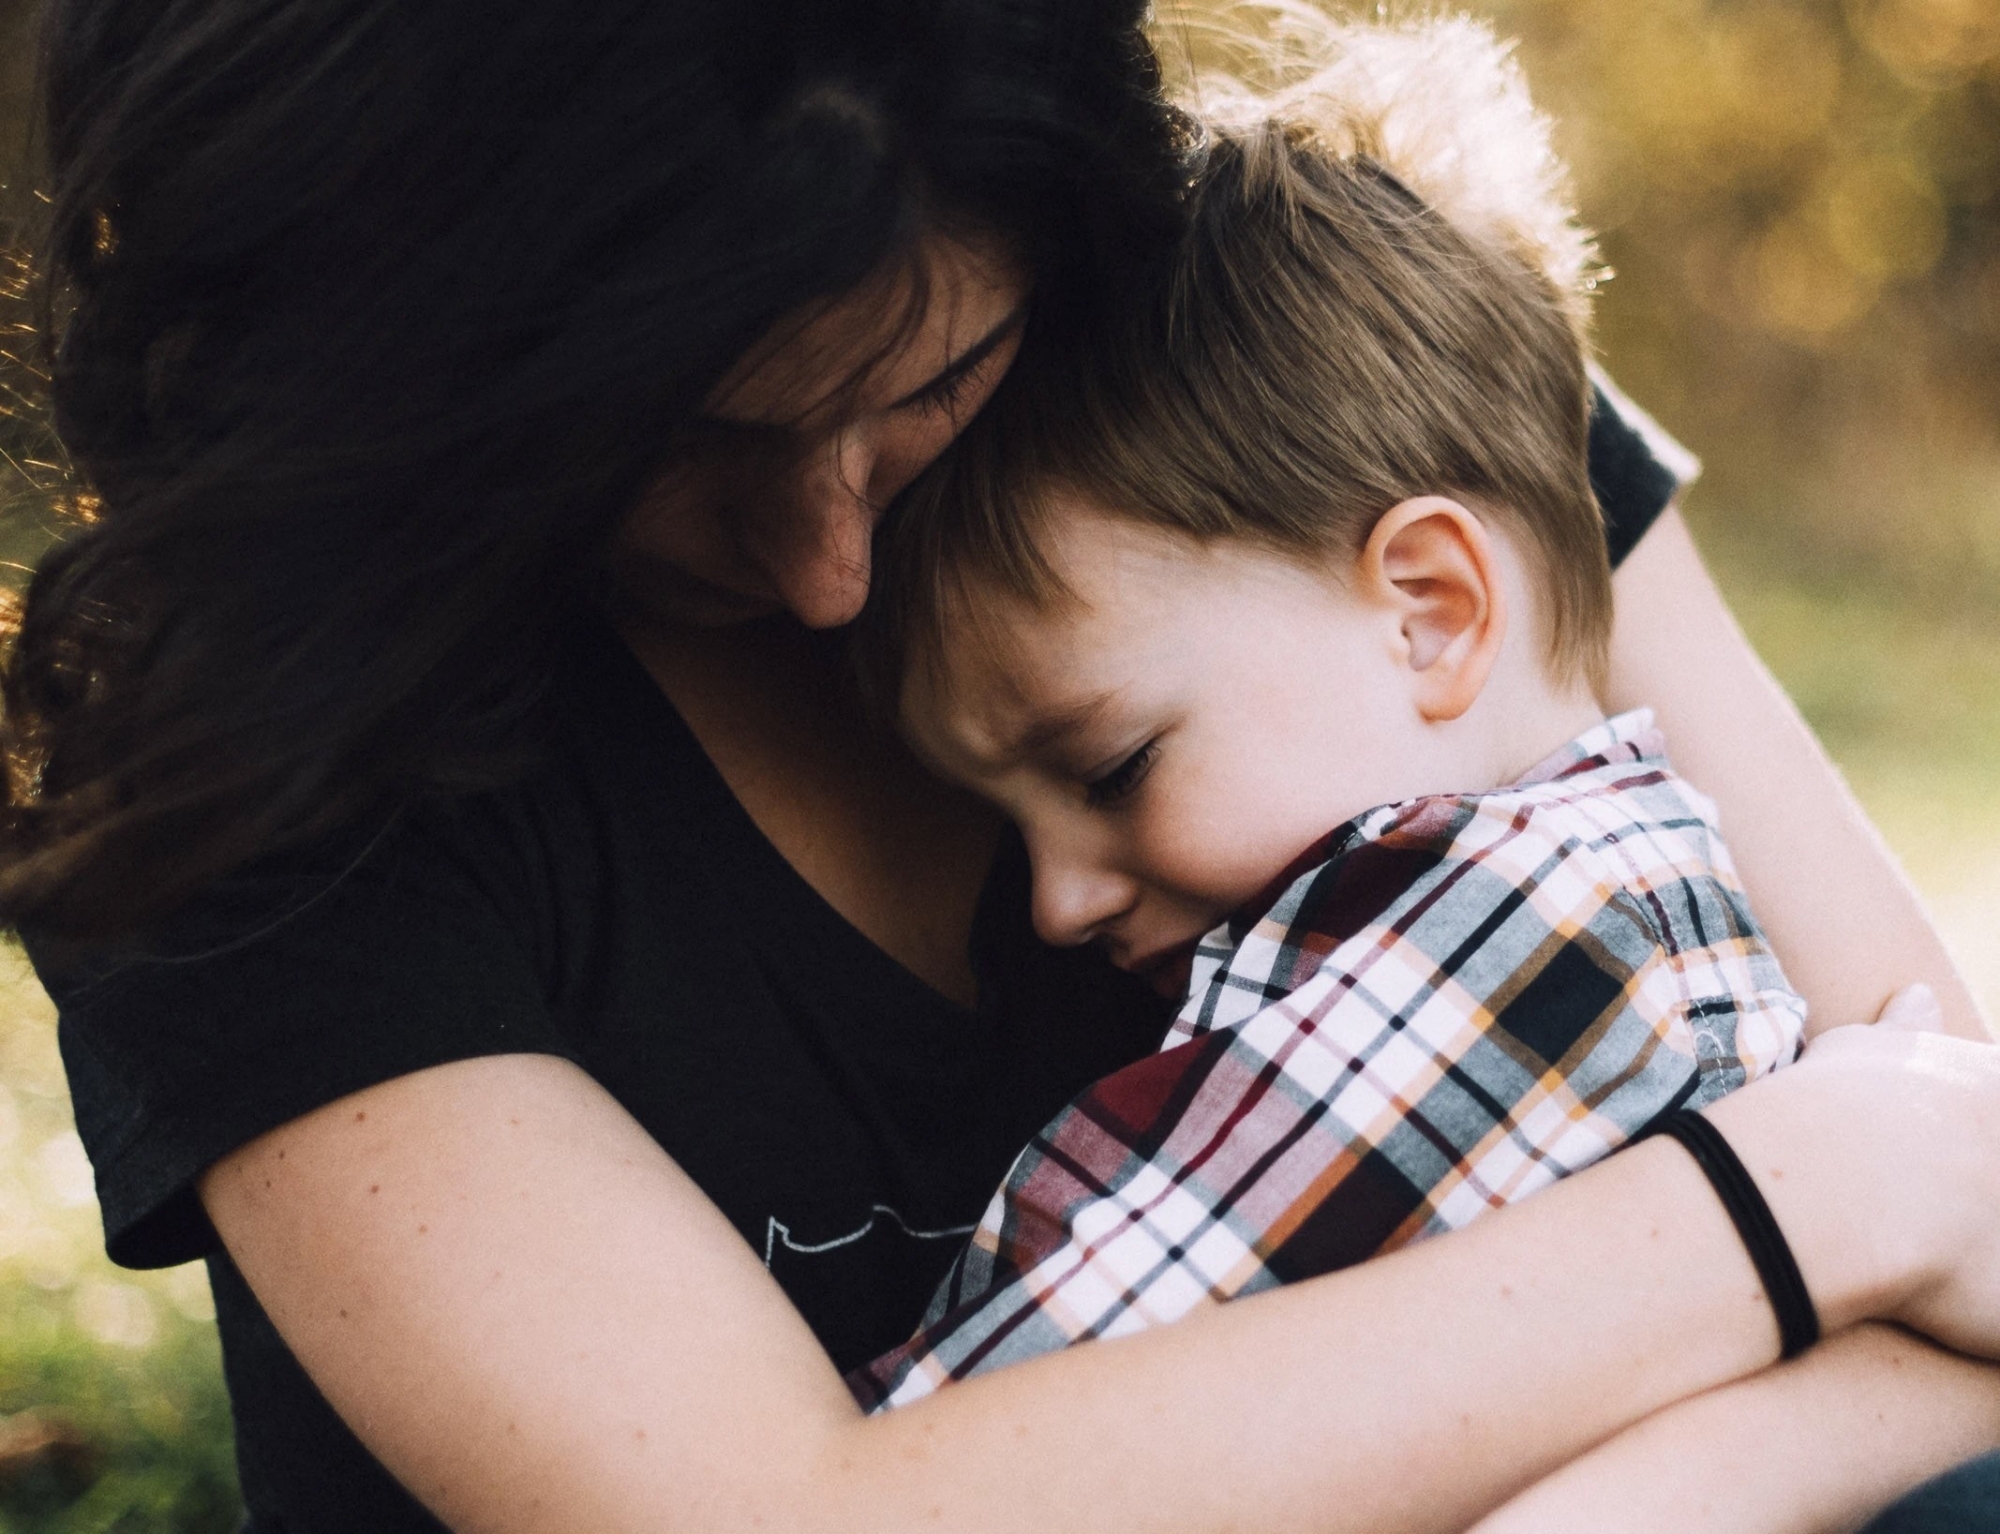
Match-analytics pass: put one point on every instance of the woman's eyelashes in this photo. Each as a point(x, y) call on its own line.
point(971, 375)
point(1122, 780)
point(968, 380)
point(946, 393)
point(957, 393)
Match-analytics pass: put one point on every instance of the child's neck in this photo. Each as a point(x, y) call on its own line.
point(1521, 717)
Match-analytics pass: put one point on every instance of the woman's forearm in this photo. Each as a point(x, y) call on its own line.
point(538, 1323)
point(1409, 1393)
point(1840, 912)
point(1816, 1446)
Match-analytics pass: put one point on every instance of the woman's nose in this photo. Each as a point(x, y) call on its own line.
point(1077, 899)
point(817, 552)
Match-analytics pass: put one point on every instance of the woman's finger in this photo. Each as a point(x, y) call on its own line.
point(1914, 1009)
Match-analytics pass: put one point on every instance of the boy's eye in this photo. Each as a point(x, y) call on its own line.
point(1121, 780)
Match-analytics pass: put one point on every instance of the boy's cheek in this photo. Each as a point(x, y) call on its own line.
point(1204, 867)
point(1244, 801)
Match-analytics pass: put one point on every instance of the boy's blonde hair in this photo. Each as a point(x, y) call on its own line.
point(1326, 340)
point(1439, 101)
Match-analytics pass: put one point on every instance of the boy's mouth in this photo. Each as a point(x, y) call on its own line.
point(1165, 970)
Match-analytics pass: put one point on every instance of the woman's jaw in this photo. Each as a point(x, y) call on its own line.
point(770, 499)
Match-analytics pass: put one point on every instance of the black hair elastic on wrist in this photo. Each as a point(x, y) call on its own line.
point(1784, 1285)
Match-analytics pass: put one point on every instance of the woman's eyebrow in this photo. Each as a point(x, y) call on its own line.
point(969, 359)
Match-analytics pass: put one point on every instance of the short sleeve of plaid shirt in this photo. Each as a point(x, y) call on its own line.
point(1459, 1000)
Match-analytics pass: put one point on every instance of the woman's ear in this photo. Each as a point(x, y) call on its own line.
point(1433, 563)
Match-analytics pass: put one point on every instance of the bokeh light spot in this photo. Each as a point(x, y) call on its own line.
point(118, 1315)
point(1884, 218)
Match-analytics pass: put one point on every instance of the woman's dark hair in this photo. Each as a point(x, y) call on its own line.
point(368, 321)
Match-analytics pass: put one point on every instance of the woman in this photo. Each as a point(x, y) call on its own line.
point(454, 970)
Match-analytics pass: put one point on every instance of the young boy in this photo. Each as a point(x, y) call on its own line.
point(1276, 626)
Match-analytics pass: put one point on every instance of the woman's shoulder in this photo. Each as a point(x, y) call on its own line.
point(456, 927)
point(285, 987)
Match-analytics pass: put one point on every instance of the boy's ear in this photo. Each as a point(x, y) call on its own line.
point(1433, 563)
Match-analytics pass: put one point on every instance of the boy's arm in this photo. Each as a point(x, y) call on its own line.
point(1842, 916)
point(1814, 1446)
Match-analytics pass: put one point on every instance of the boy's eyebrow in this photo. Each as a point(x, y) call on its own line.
point(968, 359)
point(1045, 729)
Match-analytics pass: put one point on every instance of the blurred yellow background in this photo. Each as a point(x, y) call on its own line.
point(1801, 202)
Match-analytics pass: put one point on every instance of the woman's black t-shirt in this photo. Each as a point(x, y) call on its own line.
point(619, 909)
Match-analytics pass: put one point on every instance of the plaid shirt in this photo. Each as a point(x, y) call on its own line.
point(1448, 1004)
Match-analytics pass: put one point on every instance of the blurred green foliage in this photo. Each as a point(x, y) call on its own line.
point(1801, 202)
point(112, 1411)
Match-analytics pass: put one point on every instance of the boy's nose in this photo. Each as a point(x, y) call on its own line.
point(1076, 901)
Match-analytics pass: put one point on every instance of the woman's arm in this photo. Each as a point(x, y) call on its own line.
point(1840, 913)
point(1814, 1446)
point(538, 1323)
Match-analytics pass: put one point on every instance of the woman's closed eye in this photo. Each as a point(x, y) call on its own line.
point(952, 389)
point(969, 375)
point(1122, 780)
point(946, 393)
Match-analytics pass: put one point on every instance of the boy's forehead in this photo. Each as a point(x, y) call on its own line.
point(1009, 667)
point(1010, 674)
point(1140, 605)
point(1110, 570)
point(995, 670)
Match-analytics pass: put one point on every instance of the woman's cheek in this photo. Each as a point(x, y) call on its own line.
point(904, 449)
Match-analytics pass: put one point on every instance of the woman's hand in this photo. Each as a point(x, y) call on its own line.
point(1956, 1135)
point(1824, 1442)
point(1914, 1138)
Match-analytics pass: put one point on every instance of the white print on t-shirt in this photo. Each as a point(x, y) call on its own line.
point(777, 1233)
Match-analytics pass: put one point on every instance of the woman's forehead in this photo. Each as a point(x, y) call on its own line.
point(872, 348)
